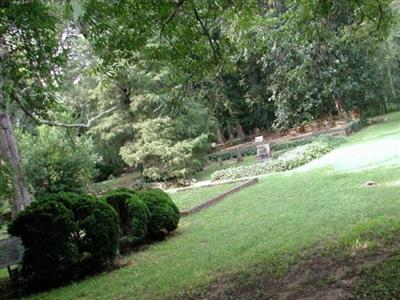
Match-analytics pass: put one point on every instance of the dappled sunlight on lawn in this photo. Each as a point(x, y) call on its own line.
point(384, 152)
point(375, 146)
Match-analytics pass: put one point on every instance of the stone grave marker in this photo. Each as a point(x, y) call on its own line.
point(11, 252)
point(263, 152)
point(259, 139)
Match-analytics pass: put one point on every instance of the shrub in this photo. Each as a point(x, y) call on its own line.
point(46, 230)
point(133, 216)
point(55, 161)
point(170, 148)
point(164, 215)
point(287, 161)
point(63, 235)
point(355, 126)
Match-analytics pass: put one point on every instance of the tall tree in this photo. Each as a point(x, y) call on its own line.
point(29, 56)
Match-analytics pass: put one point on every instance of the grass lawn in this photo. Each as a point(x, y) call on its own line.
point(3, 273)
point(189, 198)
point(374, 146)
point(268, 224)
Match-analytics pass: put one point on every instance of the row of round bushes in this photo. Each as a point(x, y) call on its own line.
point(142, 215)
point(67, 236)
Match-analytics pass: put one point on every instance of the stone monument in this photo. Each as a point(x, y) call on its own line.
point(263, 150)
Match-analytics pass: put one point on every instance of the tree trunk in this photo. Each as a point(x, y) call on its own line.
point(392, 87)
point(240, 132)
point(342, 114)
point(220, 136)
point(230, 133)
point(8, 149)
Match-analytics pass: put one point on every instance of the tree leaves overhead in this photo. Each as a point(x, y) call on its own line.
point(30, 33)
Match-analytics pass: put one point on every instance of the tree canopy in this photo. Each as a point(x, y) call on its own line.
point(153, 83)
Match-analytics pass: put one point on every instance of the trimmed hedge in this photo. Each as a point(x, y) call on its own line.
point(164, 214)
point(133, 216)
point(65, 236)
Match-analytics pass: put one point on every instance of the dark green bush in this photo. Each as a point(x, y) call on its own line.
point(355, 126)
point(98, 224)
point(133, 216)
point(164, 215)
point(63, 235)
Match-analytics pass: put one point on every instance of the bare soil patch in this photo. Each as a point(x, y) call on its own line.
point(317, 276)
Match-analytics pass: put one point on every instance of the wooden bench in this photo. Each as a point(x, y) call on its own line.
point(11, 253)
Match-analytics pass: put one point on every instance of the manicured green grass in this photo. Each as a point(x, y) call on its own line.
point(375, 146)
point(189, 198)
point(283, 213)
point(3, 273)
point(389, 128)
point(215, 166)
point(268, 224)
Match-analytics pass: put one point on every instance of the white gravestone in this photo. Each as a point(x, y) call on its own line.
point(263, 151)
point(259, 139)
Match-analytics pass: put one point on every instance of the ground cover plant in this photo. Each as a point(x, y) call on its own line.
point(267, 225)
point(287, 161)
point(212, 166)
point(380, 281)
point(192, 197)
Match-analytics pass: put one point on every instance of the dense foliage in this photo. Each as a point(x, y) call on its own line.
point(153, 84)
point(71, 233)
point(250, 67)
point(56, 160)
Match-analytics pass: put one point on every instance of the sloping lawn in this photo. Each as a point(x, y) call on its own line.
point(282, 214)
point(374, 146)
point(189, 198)
point(3, 273)
point(268, 224)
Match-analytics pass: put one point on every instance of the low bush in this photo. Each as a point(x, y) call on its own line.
point(355, 126)
point(287, 161)
point(55, 160)
point(164, 214)
point(133, 216)
point(65, 236)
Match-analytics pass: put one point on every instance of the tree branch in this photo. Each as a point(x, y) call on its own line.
point(172, 15)
point(60, 124)
point(380, 16)
point(207, 33)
